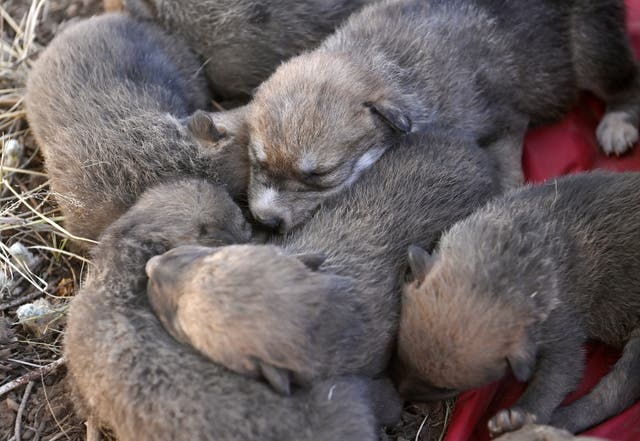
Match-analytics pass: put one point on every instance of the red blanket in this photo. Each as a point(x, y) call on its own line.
point(567, 147)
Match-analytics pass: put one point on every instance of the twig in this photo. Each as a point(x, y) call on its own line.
point(23, 171)
point(23, 404)
point(54, 225)
point(20, 301)
point(446, 421)
point(30, 376)
point(426, 417)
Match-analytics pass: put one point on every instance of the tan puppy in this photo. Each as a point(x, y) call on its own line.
point(520, 285)
point(260, 312)
point(400, 66)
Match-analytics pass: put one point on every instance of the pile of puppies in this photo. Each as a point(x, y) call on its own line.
point(405, 123)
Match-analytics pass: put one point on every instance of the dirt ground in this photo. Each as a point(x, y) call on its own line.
point(42, 409)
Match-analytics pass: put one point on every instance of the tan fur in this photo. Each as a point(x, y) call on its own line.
point(112, 5)
point(248, 307)
point(400, 66)
point(455, 357)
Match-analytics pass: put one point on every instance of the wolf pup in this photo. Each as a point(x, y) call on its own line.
point(261, 312)
point(488, 67)
point(434, 180)
point(109, 102)
point(520, 285)
point(243, 41)
point(129, 374)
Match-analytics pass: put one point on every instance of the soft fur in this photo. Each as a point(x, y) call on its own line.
point(109, 103)
point(285, 321)
point(521, 285)
point(131, 375)
point(419, 190)
point(489, 67)
point(242, 42)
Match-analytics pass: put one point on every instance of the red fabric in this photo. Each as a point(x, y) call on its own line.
point(567, 147)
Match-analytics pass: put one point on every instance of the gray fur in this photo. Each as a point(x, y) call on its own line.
point(131, 375)
point(109, 103)
point(419, 190)
point(243, 41)
point(488, 67)
point(531, 276)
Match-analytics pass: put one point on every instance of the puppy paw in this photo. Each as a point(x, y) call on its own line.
point(508, 420)
point(616, 133)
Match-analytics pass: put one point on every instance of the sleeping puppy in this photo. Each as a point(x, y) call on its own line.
point(487, 67)
point(520, 286)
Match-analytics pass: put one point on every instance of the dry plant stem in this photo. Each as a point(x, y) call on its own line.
point(23, 403)
point(21, 300)
point(33, 375)
point(53, 224)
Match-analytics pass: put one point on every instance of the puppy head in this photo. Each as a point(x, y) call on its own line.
point(453, 336)
point(189, 211)
point(250, 308)
point(314, 127)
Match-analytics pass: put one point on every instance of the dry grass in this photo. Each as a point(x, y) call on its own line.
point(29, 219)
point(40, 408)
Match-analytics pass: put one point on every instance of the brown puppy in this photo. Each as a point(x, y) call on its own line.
point(280, 319)
point(488, 67)
point(109, 103)
point(242, 42)
point(520, 285)
point(131, 375)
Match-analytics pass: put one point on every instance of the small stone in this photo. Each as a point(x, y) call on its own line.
point(22, 255)
point(13, 151)
point(36, 316)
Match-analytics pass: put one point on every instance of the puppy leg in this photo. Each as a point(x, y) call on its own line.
point(93, 430)
point(618, 390)
point(606, 66)
point(506, 152)
point(558, 371)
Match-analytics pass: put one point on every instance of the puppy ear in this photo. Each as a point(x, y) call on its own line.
point(420, 262)
point(201, 125)
point(392, 115)
point(278, 378)
point(312, 260)
point(522, 359)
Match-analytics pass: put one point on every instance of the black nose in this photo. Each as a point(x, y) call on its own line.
point(273, 222)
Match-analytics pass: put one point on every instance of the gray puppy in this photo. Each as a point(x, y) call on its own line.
point(243, 41)
point(131, 375)
point(109, 103)
point(520, 285)
point(489, 67)
point(423, 187)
